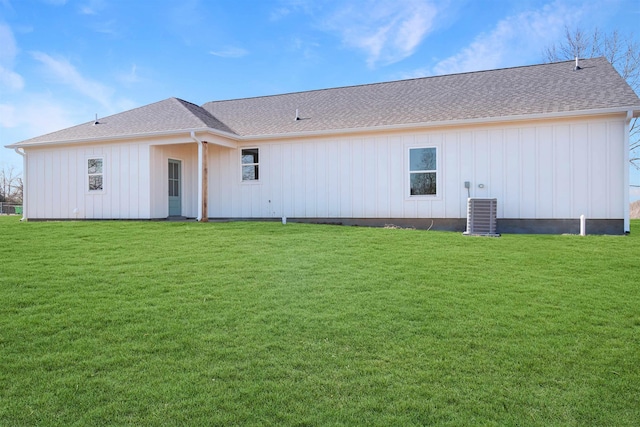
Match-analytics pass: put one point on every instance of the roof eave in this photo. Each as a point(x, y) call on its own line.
point(635, 110)
point(448, 123)
point(129, 137)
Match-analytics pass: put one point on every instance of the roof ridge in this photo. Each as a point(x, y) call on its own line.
point(186, 105)
point(399, 81)
point(182, 103)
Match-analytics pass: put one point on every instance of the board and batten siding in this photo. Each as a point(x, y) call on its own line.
point(57, 183)
point(537, 170)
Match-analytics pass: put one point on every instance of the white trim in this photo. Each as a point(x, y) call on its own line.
point(200, 172)
point(23, 154)
point(408, 172)
point(242, 165)
point(626, 207)
point(146, 135)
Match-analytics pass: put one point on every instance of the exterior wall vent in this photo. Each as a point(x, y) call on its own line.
point(481, 217)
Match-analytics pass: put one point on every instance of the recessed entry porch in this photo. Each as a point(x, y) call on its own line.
point(179, 179)
point(174, 174)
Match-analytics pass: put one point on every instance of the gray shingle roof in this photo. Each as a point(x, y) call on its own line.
point(518, 91)
point(170, 115)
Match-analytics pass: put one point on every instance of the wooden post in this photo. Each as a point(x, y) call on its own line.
point(205, 183)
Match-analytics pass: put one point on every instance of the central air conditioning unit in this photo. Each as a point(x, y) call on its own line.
point(481, 217)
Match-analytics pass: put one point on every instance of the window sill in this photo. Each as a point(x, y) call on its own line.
point(424, 197)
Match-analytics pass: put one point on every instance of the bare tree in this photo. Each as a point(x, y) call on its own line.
point(17, 192)
point(10, 185)
point(623, 51)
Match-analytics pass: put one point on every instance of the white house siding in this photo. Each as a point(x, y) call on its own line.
point(57, 183)
point(537, 170)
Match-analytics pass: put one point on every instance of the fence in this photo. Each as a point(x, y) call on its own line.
point(10, 209)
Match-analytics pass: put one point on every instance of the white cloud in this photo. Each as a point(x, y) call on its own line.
point(9, 79)
point(517, 39)
point(279, 13)
point(307, 48)
point(288, 7)
point(8, 42)
point(25, 114)
point(387, 32)
point(86, 10)
point(17, 115)
point(107, 27)
point(230, 52)
point(91, 7)
point(63, 71)
point(38, 114)
point(8, 117)
point(130, 77)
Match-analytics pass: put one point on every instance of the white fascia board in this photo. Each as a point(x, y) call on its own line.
point(146, 135)
point(223, 139)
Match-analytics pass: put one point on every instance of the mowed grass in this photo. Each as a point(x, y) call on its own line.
point(154, 323)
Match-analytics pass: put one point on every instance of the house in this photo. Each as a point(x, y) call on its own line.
point(549, 142)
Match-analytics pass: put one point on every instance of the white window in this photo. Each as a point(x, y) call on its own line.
point(250, 164)
point(423, 171)
point(95, 173)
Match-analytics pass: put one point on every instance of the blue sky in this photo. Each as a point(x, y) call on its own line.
point(63, 61)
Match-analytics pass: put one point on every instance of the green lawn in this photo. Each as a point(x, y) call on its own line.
point(154, 323)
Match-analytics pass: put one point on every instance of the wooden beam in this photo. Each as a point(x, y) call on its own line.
point(205, 183)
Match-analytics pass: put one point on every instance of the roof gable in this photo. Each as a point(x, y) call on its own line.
point(169, 115)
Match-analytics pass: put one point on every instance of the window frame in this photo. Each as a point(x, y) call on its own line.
point(102, 173)
point(437, 171)
point(256, 165)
